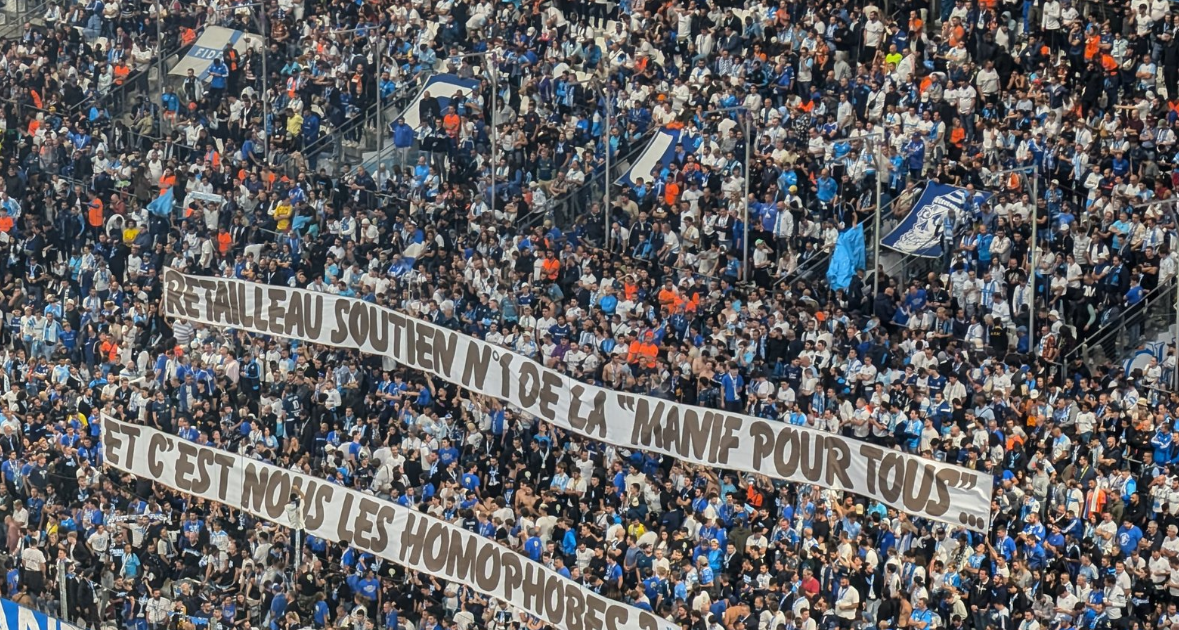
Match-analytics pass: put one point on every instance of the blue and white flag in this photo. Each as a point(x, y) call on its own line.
point(920, 234)
point(210, 46)
point(443, 88)
point(661, 149)
point(1141, 358)
point(848, 257)
point(13, 616)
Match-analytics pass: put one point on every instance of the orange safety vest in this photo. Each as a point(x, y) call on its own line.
point(956, 35)
point(121, 74)
point(1092, 45)
point(224, 242)
point(648, 353)
point(551, 268)
point(451, 123)
point(95, 214)
point(1109, 63)
point(667, 297)
point(958, 136)
point(632, 353)
point(671, 193)
point(167, 182)
point(6, 224)
point(755, 497)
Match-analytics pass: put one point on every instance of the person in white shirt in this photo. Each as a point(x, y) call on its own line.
point(1029, 621)
point(158, 610)
point(873, 36)
point(847, 602)
point(1050, 21)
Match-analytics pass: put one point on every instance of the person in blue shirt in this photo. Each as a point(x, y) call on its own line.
point(470, 480)
point(369, 587)
point(705, 573)
point(278, 605)
point(218, 80)
point(389, 615)
point(447, 453)
point(1004, 544)
point(914, 152)
point(1129, 535)
point(826, 187)
point(403, 138)
point(613, 573)
point(922, 617)
point(321, 614)
point(734, 388)
point(1162, 443)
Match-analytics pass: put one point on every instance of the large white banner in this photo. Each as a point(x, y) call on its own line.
point(385, 529)
point(912, 484)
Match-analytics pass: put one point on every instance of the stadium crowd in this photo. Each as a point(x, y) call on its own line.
point(1082, 96)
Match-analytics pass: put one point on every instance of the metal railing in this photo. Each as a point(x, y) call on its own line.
point(360, 126)
point(809, 268)
point(565, 211)
point(1130, 329)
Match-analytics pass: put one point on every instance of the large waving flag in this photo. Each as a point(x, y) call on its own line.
point(162, 206)
point(848, 257)
point(921, 231)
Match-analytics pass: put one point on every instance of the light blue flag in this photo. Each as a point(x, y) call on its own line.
point(849, 256)
point(162, 206)
point(298, 222)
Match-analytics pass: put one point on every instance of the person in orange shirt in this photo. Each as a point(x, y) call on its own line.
point(121, 72)
point(643, 354)
point(551, 266)
point(224, 240)
point(95, 216)
point(668, 296)
point(671, 192)
point(109, 348)
point(167, 180)
point(954, 31)
point(6, 222)
point(1092, 45)
point(451, 122)
point(629, 288)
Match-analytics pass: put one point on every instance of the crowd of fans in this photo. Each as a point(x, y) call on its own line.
point(652, 294)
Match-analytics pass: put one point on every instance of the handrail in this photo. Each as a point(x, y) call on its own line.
point(592, 187)
point(868, 222)
point(628, 258)
point(327, 140)
point(1116, 327)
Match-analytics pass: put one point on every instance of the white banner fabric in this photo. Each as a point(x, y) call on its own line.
point(385, 529)
point(912, 484)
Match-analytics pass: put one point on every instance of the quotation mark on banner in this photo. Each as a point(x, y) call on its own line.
point(966, 483)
